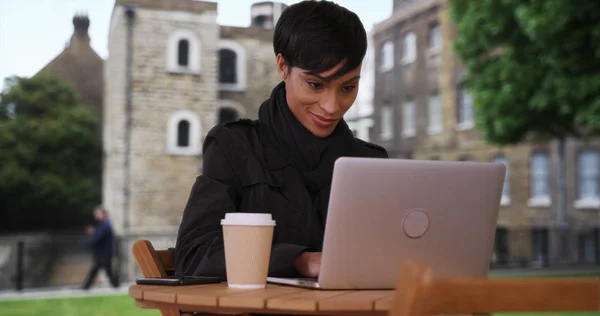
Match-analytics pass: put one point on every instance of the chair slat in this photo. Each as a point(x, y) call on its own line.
point(167, 259)
point(418, 294)
point(495, 296)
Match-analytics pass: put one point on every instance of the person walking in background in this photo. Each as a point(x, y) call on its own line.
point(102, 243)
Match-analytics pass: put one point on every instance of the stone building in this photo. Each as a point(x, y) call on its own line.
point(173, 73)
point(422, 112)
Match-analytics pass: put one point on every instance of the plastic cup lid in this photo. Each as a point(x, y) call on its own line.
point(248, 219)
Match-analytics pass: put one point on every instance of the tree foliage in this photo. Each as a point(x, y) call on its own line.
point(533, 66)
point(50, 162)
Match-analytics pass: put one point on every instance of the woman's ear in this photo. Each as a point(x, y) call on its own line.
point(282, 67)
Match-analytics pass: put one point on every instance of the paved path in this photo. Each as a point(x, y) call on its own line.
point(65, 292)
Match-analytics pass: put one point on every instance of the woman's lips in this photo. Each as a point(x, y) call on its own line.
point(322, 122)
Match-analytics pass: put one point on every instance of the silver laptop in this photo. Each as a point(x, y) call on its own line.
point(384, 212)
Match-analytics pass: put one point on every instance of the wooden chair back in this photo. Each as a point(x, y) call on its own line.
point(155, 264)
point(160, 264)
point(418, 294)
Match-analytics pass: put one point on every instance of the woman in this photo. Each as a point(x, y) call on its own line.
point(282, 163)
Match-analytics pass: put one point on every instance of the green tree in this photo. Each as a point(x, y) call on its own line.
point(534, 70)
point(50, 161)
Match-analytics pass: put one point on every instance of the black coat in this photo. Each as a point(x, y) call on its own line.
point(241, 174)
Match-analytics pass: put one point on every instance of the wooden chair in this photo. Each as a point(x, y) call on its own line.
point(418, 294)
point(158, 264)
point(155, 264)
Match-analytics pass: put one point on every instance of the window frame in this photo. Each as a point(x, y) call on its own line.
point(195, 134)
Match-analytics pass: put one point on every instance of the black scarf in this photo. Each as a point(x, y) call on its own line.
point(312, 156)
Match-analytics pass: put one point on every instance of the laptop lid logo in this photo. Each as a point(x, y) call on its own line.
point(416, 223)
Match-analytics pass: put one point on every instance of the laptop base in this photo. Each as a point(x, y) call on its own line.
point(308, 283)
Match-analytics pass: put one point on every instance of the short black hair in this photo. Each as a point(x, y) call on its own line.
point(318, 35)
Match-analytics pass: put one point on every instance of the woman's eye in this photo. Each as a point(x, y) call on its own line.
point(348, 88)
point(314, 85)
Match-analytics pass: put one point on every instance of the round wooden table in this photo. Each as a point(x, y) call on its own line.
point(274, 299)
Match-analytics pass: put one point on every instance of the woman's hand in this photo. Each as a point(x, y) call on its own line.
point(308, 264)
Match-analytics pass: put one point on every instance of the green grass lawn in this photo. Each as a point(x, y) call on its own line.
point(124, 305)
point(114, 305)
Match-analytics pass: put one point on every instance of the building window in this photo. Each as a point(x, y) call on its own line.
point(387, 122)
point(435, 114)
point(232, 66)
point(435, 39)
point(183, 52)
point(464, 157)
point(410, 48)
point(587, 174)
point(227, 66)
point(260, 21)
point(540, 180)
point(361, 128)
point(229, 111)
point(465, 110)
point(184, 134)
point(11, 109)
point(227, 115)
point(408, 118)
point(588, 246)
point(505, 187)
point(387, 56)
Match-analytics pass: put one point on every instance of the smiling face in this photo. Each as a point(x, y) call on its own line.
point(317, 102)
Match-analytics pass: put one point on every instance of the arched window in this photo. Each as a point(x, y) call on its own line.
point(227, 115)
point(184, 134)
point(183, 50)
point(232, 66)
point(229, 111)
point(259, 20)
point(227, 66)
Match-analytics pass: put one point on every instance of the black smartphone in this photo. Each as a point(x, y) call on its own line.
point(172, 280)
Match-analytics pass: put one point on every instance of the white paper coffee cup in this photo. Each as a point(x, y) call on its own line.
point(247, 238)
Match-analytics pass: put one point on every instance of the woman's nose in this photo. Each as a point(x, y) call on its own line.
point(330, 104)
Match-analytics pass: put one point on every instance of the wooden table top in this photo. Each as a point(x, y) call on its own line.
point(272, 299)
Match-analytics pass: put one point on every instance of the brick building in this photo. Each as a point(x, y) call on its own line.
point(422, 112)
